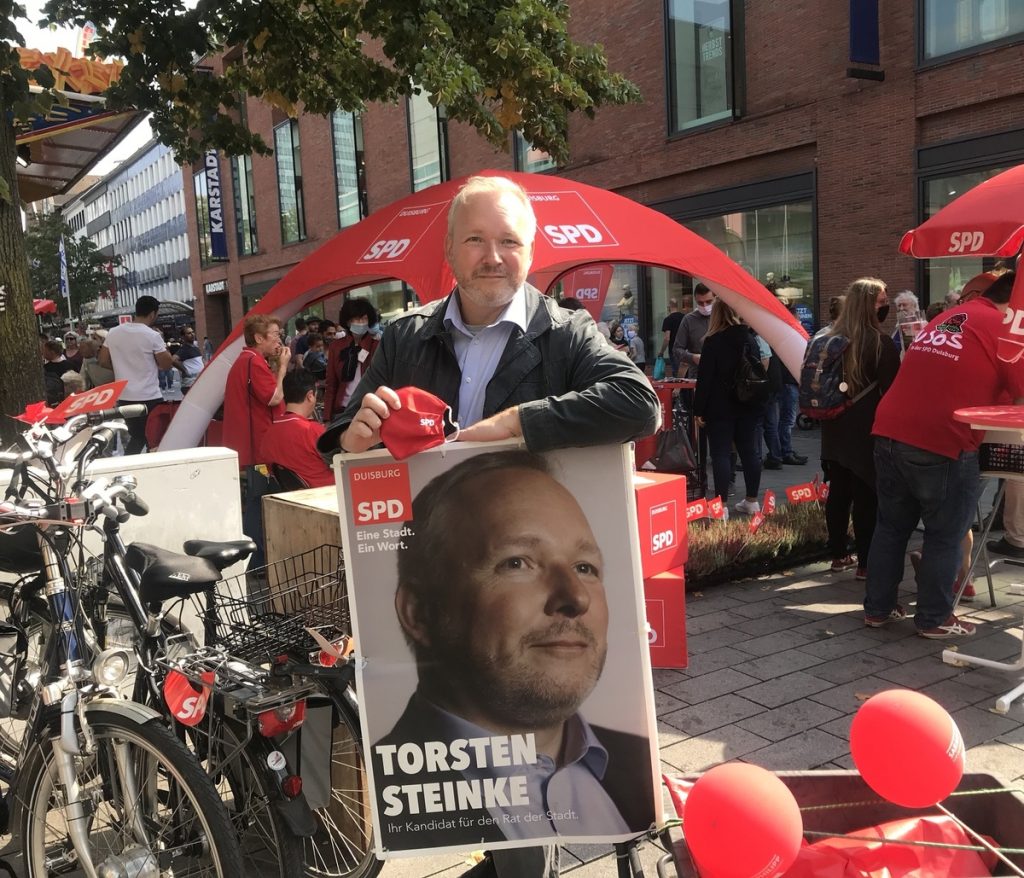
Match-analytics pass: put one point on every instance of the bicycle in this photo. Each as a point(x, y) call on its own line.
point(98, 784)
point(244, 725)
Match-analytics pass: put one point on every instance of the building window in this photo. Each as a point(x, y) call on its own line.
point(529, 158)
point(700, 63)
point(203, 219)
point(954, 26)
point(949, 274)
point(245, 205)
point(775, 244)
point(349, 167)
point(428, 142)
point(289, 182)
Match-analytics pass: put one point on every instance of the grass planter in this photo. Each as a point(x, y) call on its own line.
point(725, 551)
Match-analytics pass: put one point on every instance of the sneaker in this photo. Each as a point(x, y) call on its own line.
point(772, 463)
point(969, 593)
point(794, 459)
point(896, 614)
point(952, 627)
point(861, 574)
point(748, 507)
point(1003, 547)
point(841, 564)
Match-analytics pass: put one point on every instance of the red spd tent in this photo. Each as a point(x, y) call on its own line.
point(576, 225)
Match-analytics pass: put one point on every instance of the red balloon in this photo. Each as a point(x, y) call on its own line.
point(741, 821)
point(907, 748)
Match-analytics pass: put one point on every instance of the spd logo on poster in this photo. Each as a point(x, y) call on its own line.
point(664, 527)
point(400, 236)
point(380, 494)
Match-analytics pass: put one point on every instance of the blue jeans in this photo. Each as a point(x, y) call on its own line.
point(771, 427)
point(788, 397)
point(917, 485)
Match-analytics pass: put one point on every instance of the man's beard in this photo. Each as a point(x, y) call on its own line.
point(510, 689)
point(487, 295)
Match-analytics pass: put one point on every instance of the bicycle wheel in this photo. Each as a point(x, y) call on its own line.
point(150, 807)
point(343, 844)
point(269, 848)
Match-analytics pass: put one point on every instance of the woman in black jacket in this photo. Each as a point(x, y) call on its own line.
point(349, 355)
point(847, 447)
point(726, 420)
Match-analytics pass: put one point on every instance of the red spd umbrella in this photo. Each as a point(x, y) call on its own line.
point(577, 225)
point(987, 220)
point(44, 306)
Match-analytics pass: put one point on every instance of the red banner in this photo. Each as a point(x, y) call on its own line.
point(95, 400)
point(590, 286)
point(823, 492)
point(716, 509)
point(768, 507)
point(697, 509)
point(756, 520)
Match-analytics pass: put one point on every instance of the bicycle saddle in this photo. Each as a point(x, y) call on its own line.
point(168, 575)
point(220, 554)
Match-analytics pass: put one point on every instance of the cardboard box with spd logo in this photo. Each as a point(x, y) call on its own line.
point(661, 517)
point(665, 599)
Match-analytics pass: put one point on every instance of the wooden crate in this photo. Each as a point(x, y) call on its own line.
point(297, 521)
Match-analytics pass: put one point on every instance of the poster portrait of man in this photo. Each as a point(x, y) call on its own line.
point(505, 690)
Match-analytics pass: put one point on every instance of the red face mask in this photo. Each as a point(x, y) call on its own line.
point(418, 425)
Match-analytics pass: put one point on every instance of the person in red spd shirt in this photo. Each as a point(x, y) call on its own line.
point(291, 440)
point(927, 463)
point(252, 398)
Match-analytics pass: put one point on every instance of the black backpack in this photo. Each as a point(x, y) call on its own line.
point(823, 392)
point(750, 383)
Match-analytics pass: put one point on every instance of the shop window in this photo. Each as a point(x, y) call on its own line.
point(287, 153)
point(428, 142)
point(349, 167)
point(245, 205)
point(954, 26)
point(701, 69)
point(528, 158)
point(775, 244)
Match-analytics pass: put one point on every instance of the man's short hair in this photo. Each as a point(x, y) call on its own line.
point(501, 185)
point(54, 347)
point(300, 324)
point(259, 324)
point(427, 562)
point(357, 306)
point(297, 384)
point(571, 303)
point(906, 296)
point(1001, 288)
point(146, 305)
point(700, 290)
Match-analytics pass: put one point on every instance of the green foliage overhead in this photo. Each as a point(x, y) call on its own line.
point(87, 267)
point(495, 65)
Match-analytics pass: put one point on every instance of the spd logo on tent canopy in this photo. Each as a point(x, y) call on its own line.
point(566, 220)
point(400, 236)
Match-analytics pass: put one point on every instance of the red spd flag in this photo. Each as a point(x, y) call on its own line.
point(823, 492)
point(697, 509)
point(768, 507)
point(805, 493)
point(756, 520)
point(716, 509)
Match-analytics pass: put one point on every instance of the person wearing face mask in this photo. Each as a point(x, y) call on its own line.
point(927, 462)
point(635, 347)
point(348, 356)
point(692, 329)
point(870, 361)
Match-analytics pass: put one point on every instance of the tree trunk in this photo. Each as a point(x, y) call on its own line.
point(21, 373)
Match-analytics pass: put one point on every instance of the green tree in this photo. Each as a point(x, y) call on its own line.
point(496, 65)
point(87, 267)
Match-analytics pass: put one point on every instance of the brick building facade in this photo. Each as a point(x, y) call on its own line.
point(808, 155)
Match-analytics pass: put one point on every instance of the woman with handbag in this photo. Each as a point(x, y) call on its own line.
point(719, 409)
point(348, 357)
point(870, 363)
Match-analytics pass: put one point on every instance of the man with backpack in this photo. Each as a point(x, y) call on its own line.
point(927, 462)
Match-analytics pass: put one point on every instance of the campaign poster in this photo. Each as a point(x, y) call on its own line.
point(504, 679)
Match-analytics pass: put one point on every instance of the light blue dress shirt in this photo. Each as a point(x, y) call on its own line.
point(478, 350)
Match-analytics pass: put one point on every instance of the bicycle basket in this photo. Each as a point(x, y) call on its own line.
point(265, 612)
